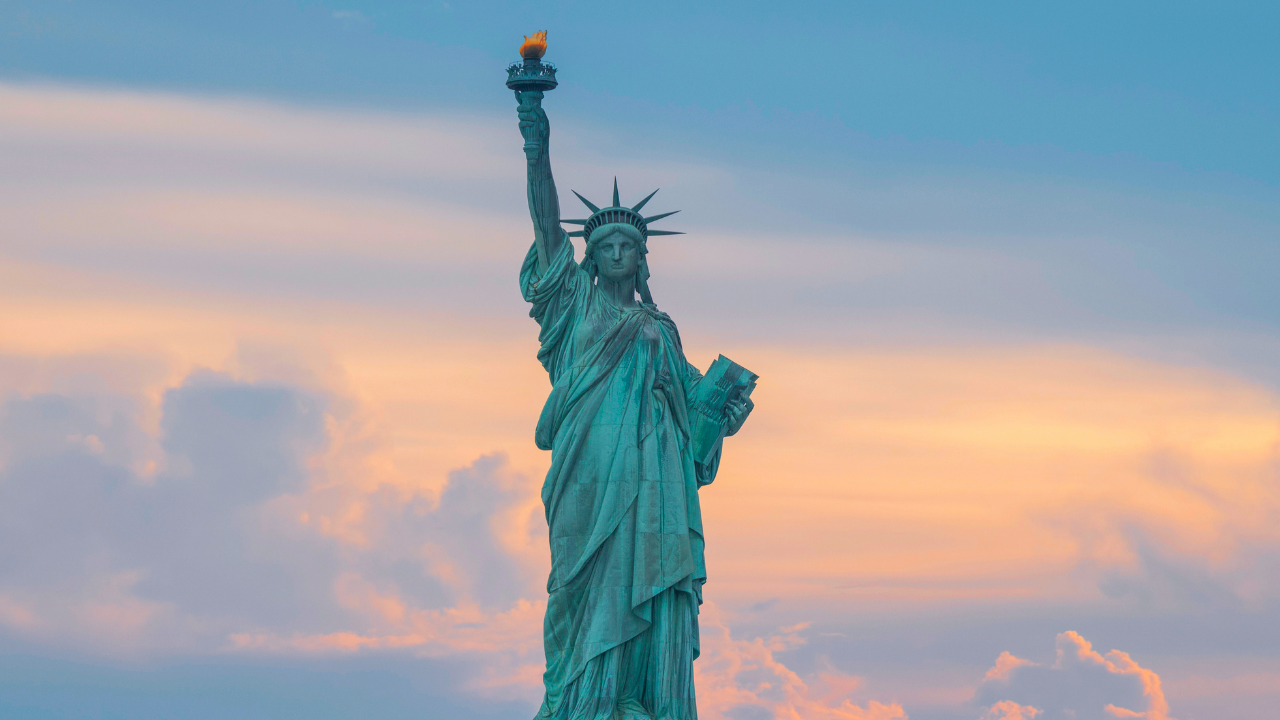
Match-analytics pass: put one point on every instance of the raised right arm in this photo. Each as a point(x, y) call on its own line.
point(544, 204)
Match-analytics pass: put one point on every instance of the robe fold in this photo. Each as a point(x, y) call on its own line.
point(621, 502)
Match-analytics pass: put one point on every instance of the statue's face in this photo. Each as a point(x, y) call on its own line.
point(617, 257)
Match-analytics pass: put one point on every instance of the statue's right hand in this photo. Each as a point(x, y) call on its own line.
point(533, 119)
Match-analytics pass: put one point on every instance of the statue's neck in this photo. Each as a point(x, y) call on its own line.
point(622, 293)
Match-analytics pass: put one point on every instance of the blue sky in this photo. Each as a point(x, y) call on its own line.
point(267, 387)
point(1112, 92)
point(1130, 146)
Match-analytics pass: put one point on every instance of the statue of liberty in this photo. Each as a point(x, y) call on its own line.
point(634, 431)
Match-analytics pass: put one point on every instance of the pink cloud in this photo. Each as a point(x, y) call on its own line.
point(1081, 682)
point(1009, 710)
point(1005, 665)
point(915, 477)
point(783, 692)
point(1071, 644)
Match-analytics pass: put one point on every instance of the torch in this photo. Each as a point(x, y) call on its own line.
point(532, 75)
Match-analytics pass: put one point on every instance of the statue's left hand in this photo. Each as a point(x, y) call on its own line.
point(736, 413)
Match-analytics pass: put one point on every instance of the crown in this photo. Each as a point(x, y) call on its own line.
point(617, 213)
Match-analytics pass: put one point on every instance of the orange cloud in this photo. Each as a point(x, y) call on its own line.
point(869, 476)
point(990, 472)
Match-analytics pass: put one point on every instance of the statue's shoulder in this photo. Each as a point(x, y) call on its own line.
point(657, 314)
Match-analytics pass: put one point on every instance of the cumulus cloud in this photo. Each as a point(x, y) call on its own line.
point(1081, 684)
point(247, 535)
point(213, 548)
point(743, 680)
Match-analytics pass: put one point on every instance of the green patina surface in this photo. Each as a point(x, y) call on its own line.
point(622, 494)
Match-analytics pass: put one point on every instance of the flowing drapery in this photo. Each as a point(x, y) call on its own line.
point(621, 502)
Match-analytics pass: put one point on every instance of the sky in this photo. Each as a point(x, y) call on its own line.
point(268, 387)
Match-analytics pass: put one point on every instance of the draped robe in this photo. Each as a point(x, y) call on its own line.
point(621, 502)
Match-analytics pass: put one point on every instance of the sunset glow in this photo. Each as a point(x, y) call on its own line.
point(268, 387)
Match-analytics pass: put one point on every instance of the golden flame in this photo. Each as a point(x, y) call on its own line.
point(535, 46)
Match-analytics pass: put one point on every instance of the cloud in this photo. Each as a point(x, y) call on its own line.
point(229, 535)
point(99, 549)
point(1009, 710)
point(336, 484)
point(252, 535)
point(989, 475)
point(1005, 664)
point(742, 680)
point(245, 198)
point(1081, 684)
point(160, 126)
point(318, 533)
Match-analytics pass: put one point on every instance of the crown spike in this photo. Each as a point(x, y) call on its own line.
point(663, 232)
point(616, 203)
point(578, 233)
point(586, 202)
point(660, 216)
point(574, 222)
point(642, 202)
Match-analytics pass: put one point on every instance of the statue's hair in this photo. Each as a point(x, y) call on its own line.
point(642, 272)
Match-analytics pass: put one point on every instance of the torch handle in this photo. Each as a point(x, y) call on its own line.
point(533, 123)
